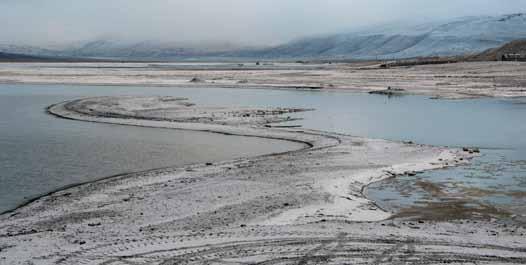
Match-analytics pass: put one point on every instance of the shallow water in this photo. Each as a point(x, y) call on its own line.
point(495, 125)
point(493, 185)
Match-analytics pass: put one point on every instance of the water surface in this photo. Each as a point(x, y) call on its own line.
point(40, 153)
point(497, 126)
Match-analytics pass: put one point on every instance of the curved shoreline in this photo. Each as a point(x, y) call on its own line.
point(62, 116)
point(62, 188)
point(62, 110)
point(310, 145)
point(166, 215)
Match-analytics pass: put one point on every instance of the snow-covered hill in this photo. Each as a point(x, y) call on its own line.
point(468, 35)
point(460, 36)
point(118, 49)
point(27, 50)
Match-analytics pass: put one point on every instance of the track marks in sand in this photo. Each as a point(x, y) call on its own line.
point(268, 246)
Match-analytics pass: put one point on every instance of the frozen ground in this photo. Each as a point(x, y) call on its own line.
point(457, 80)
point(300, 207)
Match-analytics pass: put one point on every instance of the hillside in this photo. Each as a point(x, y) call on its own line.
point(124, 50)
point(495, 54)
point(12, 57)
point(15, 57)
point(456, 37)
point(140, 50)
point(468, 35)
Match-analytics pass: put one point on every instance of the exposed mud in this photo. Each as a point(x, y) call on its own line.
point(446, 210)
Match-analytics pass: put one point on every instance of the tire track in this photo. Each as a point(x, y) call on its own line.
point(240, 247)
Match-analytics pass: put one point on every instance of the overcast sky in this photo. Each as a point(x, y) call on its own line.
point(263, 22)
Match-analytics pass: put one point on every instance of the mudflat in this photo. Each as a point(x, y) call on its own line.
point(303, 207)
point(453, 80)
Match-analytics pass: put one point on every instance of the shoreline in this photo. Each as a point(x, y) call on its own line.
point(432, 95)
point(463, 80)
point(450, 160)
point(59, 189)
point(57, 114)
point(299, 201)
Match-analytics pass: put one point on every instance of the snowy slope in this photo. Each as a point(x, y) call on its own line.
point(466, 35)
point(459, 36)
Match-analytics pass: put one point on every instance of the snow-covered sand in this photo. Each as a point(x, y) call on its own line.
point(455, 80)
point(302, 207)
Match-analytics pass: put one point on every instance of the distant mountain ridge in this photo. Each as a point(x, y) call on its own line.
point(18, 57)
point(120, 50)
point(11, 57)
point(468, 35)
point(27, 50)
point(145, 49)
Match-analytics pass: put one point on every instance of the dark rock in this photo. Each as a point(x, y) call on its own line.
point(80, 242)
point(197, 80)
point(389, 92)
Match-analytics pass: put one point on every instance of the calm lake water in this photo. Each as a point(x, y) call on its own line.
point(497, 126)
point(40, 153)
